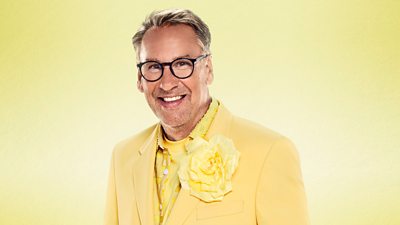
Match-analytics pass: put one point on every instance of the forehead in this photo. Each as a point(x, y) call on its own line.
point(169, 42)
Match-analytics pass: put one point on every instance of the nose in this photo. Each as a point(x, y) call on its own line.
point(168, 81)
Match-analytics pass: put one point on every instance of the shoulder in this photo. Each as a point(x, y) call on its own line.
point(249, 137)
point(253, 138)
point(251, 131)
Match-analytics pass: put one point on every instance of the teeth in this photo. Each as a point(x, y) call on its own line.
point(170, 99)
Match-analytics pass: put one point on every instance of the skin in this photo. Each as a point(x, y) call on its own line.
point(165, 44)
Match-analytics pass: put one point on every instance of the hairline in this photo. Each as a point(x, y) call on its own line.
point(172, 17)
point(140, 42)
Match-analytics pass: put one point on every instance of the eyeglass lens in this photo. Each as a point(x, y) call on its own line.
point(181, 68)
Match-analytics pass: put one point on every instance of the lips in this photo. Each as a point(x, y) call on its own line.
point(171, 101)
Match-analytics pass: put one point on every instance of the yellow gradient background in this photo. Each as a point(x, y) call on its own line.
point(324, 73)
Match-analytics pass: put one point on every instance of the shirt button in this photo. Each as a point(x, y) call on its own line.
point(165, 171)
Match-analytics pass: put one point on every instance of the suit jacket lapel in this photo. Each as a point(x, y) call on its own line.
point(221, 123)
point(143, 174)
point(186, 203)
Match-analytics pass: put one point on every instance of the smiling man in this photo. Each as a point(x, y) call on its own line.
point(178, 95)
point(200, 164)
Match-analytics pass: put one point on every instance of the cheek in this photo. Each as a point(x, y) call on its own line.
point(199, 82)
point(148, 89)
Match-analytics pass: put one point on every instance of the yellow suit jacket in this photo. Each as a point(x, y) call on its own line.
point(267, 185)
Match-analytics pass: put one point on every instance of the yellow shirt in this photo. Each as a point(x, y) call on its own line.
point(168, 157)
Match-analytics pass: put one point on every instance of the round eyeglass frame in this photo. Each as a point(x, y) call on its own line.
point(169, 64)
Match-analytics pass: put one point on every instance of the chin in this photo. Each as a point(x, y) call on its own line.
point(174, 121)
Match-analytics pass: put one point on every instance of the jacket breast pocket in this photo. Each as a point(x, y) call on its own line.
point(219, 209)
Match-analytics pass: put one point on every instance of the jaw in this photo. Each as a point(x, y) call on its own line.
point(174, 110)
point(179, 124)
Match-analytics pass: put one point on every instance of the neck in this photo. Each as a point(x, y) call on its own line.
point(182, 131)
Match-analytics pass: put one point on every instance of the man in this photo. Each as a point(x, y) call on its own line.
point(200, 164)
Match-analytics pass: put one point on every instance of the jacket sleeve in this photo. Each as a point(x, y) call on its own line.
point(280, 197)
point(111, 209)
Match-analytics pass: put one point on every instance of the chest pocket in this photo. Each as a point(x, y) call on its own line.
point(218, 209)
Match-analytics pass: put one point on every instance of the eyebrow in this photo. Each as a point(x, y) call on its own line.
point(154, 59)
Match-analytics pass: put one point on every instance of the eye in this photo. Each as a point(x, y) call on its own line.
point(152, 66)
point(182, 64)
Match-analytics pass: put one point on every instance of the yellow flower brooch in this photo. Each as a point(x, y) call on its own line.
point(208, 169)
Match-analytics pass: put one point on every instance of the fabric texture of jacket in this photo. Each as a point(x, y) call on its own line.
point(267, 185)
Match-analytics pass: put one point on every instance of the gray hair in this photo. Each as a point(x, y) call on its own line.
point(174, 17)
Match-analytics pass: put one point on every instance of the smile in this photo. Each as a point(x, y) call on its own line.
point(171, 102)
point(172, 99)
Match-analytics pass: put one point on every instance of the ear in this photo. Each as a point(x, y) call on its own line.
point(210, 72)
point(139, 83)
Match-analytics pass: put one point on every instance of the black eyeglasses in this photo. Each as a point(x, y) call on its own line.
point(181, 68)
